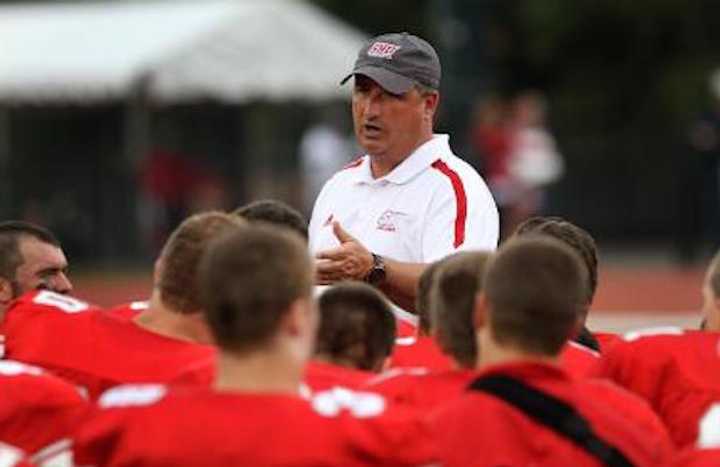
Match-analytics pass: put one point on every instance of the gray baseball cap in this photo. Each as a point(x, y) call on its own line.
point(396, 61)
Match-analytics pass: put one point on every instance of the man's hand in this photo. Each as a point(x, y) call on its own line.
point(351, 260)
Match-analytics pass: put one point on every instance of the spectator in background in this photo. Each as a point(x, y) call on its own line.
point(173, 186)
point(699, 203)
point(490, 138)
point(533, 162)
point(324, 149)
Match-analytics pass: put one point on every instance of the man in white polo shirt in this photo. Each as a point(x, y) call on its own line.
point(409, 201)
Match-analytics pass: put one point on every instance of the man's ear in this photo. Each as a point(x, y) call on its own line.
point(6, 291)
point(299, 317)
point(713, 320)
point(432, 100)
point(158, 270)
point(480, 312)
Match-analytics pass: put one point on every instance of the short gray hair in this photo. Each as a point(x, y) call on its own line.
point(424, 89)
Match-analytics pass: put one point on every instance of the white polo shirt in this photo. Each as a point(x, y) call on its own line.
point(429, 206)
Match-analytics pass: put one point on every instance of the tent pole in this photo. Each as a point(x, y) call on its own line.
point(137, 141)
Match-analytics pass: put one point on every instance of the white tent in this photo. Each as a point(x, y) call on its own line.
point(224, 49)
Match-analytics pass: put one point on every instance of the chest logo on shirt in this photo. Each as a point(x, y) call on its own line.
point(388, 220)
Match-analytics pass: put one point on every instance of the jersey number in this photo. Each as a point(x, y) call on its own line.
point(709, 429)
point(61, 302)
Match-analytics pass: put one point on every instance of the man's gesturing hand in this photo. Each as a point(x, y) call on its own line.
point(350, 260)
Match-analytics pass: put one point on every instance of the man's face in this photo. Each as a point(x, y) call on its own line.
point(388, 125)
point(44, 267)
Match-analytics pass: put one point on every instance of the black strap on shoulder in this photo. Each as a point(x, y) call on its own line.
point(555, 414)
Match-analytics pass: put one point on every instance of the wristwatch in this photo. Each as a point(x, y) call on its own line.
point(377, 274)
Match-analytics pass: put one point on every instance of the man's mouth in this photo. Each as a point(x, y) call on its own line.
point(371, 129)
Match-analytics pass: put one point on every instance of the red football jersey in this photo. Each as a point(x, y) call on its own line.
point(606, 340)
point(420, 388)
point(697, 458)
point(632, 408)
point(13, 456)
point(149, 426)
point(95, 350)
point(129, 310)
point(406, 323)
point(676, 371)
point(579, 360)
point(405, 328)
point(421, 351)
point(479, 429)
point(320, 376)
point(36, 408)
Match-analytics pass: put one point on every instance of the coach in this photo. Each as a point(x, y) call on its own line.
point(409, 201)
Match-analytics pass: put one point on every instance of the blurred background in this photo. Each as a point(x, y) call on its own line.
point(118, 118)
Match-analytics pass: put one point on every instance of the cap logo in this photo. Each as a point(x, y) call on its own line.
point(383, 50)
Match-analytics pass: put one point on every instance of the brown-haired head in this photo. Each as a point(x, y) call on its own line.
point(177, 265)
point(457, 282)
point(250, 280)
point(573, 236)
point(423, 301)
point(30, 257)
point(357, 326)
point(535, 287)
point(274, 212)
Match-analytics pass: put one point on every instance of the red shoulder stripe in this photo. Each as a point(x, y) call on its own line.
point(353, 164)
point(460, 200)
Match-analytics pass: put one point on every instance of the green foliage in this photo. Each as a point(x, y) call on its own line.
point(661, 50)
point(378, 16)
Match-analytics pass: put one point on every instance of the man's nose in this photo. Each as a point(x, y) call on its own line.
point(61, 284)
point(373, 107)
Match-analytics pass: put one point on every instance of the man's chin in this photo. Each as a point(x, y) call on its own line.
point(373, 148)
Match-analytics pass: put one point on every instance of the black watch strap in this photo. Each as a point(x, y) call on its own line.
point(377, 273)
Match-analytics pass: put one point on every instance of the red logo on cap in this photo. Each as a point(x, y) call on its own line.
point(383, 50)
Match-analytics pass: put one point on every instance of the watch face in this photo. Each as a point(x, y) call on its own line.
point(377, 275)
